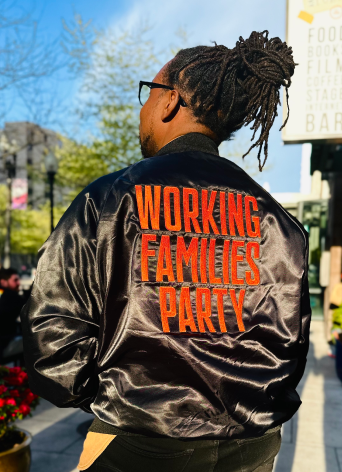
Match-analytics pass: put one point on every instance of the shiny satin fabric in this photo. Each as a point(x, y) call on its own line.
point(96, 331)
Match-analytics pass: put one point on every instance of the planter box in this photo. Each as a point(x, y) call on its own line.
point(17, 459)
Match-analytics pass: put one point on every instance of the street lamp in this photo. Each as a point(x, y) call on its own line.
point(51, 167)
point(8, 151)
point(10, 164)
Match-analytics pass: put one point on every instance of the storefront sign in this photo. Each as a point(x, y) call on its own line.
point(314, 30)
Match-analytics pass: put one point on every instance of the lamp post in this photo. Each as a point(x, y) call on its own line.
point(8, 151)
point(10, 169)
point(51, 167)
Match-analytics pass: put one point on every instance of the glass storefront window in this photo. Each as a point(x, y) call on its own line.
point(314, 220)
point(313, 215)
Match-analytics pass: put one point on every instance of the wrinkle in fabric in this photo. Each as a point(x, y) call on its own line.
point(172, 301)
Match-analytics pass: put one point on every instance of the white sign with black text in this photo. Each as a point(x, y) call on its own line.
point(314, 30)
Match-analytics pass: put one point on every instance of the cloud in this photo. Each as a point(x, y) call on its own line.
point(222, 21)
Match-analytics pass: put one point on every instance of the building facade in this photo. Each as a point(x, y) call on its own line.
point(32, 143)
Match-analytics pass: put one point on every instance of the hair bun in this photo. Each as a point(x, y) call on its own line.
point(268, 59)
point(226, 89)
point(265, 65)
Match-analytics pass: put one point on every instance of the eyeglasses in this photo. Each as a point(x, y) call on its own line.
point(145, 88)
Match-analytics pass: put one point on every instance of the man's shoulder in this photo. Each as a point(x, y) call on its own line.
point(150, 170)
point(104, 183)
point(268, 204)
point(97, 191)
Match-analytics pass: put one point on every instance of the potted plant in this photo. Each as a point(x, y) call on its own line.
point(16, 402)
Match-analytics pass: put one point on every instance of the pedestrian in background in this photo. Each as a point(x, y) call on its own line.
point(335, 343)
point(172, 299)
point(336, 307)
point(11, 304)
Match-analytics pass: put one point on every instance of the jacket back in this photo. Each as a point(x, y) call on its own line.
point(172, 300)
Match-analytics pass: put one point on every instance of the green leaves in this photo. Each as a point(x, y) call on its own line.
point(29, 229)
point(78, 165)
point(109, 65)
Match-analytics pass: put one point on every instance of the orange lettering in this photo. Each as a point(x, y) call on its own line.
point(148, 208)
point(185, 306)
point(204, 314)
point(187, 254)
point(249, 258)
point(165, 253)
point(164, 312)
point(176, 206)
point(256, 232)
point(219, 292)
point(207, 212)
point(235, 259)
point(203, 261)
point(223, 213)
point(238, 306)
point(235, 214)
point(212, 278)
point(145, 253)
point(226, 245)
point(190, 215)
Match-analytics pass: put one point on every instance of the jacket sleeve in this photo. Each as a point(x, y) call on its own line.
point(60, 321)
point(305, 317)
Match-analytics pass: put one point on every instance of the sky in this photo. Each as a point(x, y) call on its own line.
point(204, 21)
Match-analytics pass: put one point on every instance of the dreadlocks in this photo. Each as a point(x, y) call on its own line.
point(230, 88)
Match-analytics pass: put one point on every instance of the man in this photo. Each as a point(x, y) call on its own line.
point(11, 304)
point(172, 298)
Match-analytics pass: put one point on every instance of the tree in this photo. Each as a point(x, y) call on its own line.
point(30, 228)
point(78, 165)
point(28, 64)
point(109, 65)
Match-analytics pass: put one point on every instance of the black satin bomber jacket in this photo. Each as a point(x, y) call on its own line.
point(172, 300)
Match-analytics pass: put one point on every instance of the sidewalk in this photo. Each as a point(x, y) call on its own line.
point(56, 444)
point(312, 440)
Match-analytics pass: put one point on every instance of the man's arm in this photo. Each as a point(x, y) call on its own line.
point(61, 319)
point(304, 341)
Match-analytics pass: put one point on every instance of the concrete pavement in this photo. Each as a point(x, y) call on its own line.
point(56, 444)
point(312, 440)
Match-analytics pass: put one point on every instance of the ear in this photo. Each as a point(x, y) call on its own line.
point(170, 105)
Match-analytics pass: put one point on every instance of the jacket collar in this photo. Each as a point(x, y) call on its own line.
point(190, 142)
